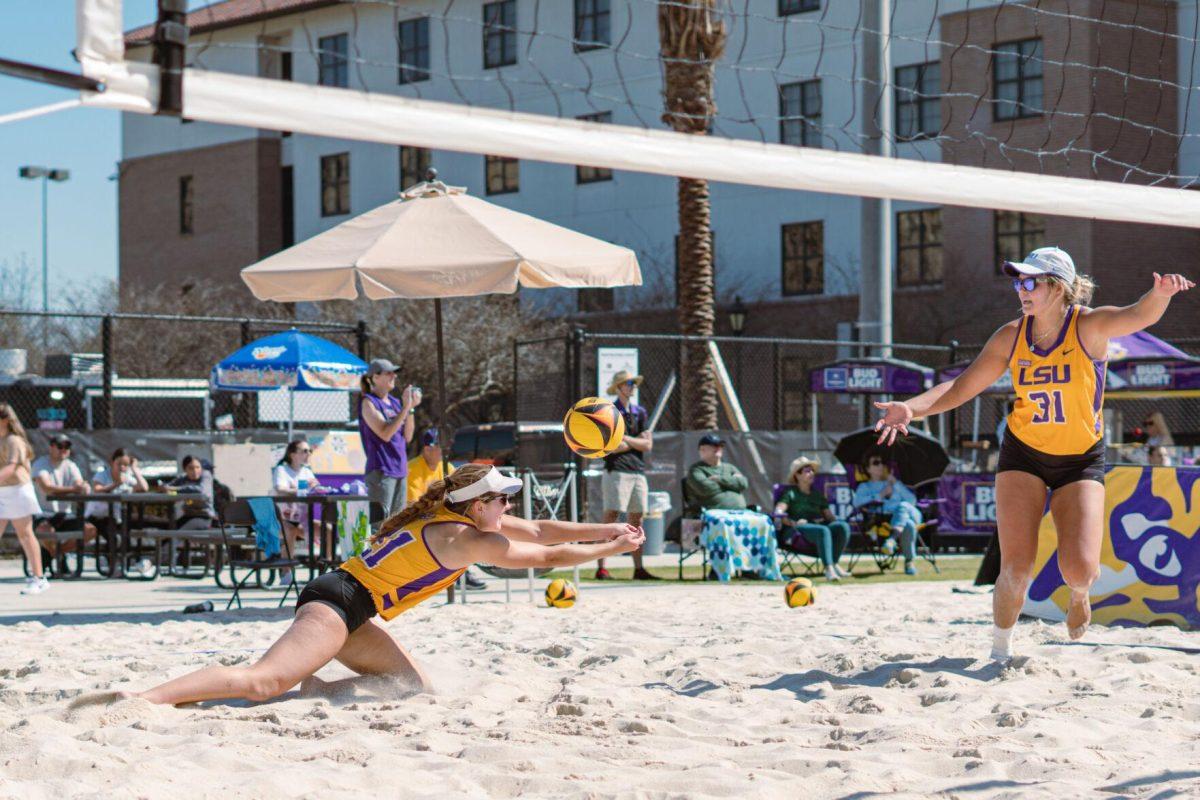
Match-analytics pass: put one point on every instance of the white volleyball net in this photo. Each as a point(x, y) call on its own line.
point(1087, 110)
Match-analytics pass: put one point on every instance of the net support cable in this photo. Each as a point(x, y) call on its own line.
point(338, 113)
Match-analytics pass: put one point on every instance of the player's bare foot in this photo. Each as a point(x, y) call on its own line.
point(1079, 615)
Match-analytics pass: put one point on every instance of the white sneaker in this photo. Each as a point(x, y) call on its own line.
point(142, 569)
point(840, 572)
point(889, 545)
point(35, 585)
point(831, 575)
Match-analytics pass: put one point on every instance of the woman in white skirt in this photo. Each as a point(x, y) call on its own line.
point(18, 500)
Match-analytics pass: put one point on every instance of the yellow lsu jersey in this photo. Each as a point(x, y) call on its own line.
point(1060, 390)
point(400, 571)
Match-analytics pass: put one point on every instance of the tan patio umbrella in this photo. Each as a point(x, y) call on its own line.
point(438, 241)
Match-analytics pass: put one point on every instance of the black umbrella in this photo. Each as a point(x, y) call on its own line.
point(916, 458)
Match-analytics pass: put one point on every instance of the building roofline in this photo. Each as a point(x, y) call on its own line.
point(230, 14)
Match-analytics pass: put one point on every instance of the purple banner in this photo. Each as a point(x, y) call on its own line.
point(1153, 376)
point(969, 502)
point(871, 376)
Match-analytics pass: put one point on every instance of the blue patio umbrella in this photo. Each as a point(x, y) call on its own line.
point(290, 360)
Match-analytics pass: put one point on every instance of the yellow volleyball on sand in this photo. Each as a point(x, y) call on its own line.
point(800, 592)
point(560, 594)
point(593, 427)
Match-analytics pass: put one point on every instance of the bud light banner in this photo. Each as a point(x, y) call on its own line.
point(1149, 557)
point(1154, 376)
point(968, 502)
point(871, 376)
point(838, 492)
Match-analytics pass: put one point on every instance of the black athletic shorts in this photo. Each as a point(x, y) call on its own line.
point(1055, 471)
point(342, 592)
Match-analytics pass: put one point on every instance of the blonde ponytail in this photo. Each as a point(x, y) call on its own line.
point(435, 498)
point(1078, 292)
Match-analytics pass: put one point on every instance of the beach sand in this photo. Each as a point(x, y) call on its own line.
point(637, 691)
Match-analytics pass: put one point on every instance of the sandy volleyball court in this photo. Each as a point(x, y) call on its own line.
point(648, 692)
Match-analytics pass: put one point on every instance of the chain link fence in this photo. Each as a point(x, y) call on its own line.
point(80, 371)
point(769, 376)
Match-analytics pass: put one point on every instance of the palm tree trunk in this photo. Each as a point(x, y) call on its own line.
point(692, 37)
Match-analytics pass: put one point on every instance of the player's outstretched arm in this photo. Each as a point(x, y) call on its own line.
point(552, 531)
point(982, 373)
point(493, 548)
point(1108, 322)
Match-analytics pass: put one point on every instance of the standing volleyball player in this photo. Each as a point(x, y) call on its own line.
point(1057, 353)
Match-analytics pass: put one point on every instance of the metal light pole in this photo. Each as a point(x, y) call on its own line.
point(46, 174)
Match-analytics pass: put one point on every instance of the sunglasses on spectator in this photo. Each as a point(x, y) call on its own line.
point(303, 450)
point(631, 383)
point(1028, 284)
point(875, 462)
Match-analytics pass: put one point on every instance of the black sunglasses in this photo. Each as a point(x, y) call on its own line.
point(875, 462)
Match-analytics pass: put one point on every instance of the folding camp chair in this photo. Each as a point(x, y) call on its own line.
point(875, 529)
point(798, 551)
point(689, 536)
point(239, 516)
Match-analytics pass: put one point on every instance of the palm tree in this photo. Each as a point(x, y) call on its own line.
point(692, 37)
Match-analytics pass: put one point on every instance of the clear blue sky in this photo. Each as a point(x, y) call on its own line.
point(83, 211)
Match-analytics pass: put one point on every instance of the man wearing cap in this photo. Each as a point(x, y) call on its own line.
point(624, 484)
point(386, 426)
point(711, 483)
point(56, 474)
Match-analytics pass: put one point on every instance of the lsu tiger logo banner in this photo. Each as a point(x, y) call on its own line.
point(1149, 558)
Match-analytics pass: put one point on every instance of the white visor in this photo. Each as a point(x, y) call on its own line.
point(492, 481)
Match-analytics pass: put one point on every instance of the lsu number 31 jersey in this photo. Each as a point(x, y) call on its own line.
point(1060, 391)
point(400, 570)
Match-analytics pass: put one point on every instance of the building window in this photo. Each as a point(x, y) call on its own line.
point(793, 384)
point(414, 163)
point(800, 113)
point(333, 66)
point(591, 24)
point(798, 6)
point(585, 174)
point(1017, 234)
point(919, 247)
point(499, 34)
point(712, 247)
point(803, 258)
point(918, 101)
point(335, 185)
point(595, 300)
point(185, 205)
point(413, 36)
point(1017, 76)
point(503, 174)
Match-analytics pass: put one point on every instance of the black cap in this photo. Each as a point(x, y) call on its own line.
point(712, 439)
point(60, 440)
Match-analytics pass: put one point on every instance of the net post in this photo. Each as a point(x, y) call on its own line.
point(170, 54)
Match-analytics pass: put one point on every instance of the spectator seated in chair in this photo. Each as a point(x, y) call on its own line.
point(896, 502)
point(712, 486)
point(802, 512)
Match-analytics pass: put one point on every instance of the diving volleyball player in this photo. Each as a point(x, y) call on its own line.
point(416, 553)
point(1057, 354)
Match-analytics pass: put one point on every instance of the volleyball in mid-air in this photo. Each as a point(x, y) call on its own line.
point(800, 592)
point(593, 427)
point(560, 593)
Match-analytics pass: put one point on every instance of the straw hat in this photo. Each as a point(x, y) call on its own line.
point(802, 462)
point(620, 378)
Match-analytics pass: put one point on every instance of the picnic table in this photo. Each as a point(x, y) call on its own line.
point(121, 540)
